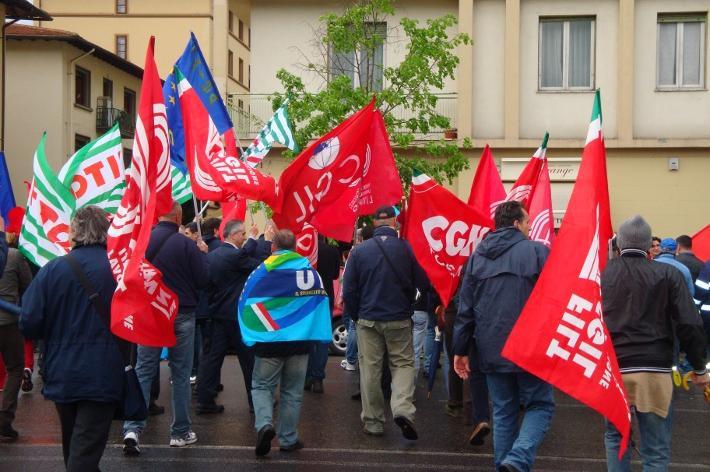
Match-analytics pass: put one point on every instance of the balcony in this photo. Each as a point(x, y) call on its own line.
point(257, 110)
point(106, 117)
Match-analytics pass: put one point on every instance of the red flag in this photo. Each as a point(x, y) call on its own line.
point(307, 244)
point(542, 220)
point(143, 309)
point(348, 172)
point(560, 335)
point(443, 232)
point(487, 189)
point(701, 243)
point(524, 187)
point(232, 210)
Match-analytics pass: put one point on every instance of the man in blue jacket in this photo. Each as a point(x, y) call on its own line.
point(230, 265)
point(497, 282)
point(379, 286)
point(183, 264)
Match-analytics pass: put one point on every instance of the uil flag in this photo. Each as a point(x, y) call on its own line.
point(443, 232)
point(524, 187)
point(560, 335)
point(487, 189)
point(542, 221)
point(143, 309)
point(348, 172)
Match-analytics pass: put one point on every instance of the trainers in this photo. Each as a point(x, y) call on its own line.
point(130, 444)
point(27, 385)
point(188, 438)
point(347, 365)
point(479, 433)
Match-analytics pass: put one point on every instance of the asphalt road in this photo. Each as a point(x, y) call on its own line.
point(331, 430)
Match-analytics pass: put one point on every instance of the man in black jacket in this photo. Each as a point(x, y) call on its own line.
point(646, 306)
point(230, 265)
point(380, 282)
point(684, 254)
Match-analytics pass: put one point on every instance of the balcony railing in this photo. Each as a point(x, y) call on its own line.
point(258, 110)
point(107, 117)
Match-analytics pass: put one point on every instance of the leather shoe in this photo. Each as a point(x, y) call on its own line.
point(155, 410)
point(8, 433)
point(263, 440)
point(207, 409)
point(317, 386)
point(407, 427)
point(479, 433)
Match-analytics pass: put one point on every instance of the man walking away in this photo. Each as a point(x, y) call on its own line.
point(667, 256)
point(685, 255)
point(497, 282)
point(645, 306)
point(379, 286)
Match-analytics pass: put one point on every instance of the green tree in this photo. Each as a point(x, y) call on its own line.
point(406, 92)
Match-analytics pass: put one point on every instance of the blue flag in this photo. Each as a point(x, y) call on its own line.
point(7, 197)
point(177, 131)
point(193, 66)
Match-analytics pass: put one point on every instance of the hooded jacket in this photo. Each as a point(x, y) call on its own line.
point(497, 281)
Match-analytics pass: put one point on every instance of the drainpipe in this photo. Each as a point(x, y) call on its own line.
point(70, 108)
point(2, 112)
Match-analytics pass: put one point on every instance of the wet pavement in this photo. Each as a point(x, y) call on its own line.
point(331, 430)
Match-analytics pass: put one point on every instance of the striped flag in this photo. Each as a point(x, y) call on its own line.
point(277, 129)
point(95, 173)
point(182, 191)
point(45, 232)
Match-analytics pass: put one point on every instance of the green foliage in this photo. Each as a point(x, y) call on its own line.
point(409, 87)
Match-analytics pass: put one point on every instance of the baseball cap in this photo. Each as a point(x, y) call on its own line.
point(385, 212)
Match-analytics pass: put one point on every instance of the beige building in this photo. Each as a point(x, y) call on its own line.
point(58, 82)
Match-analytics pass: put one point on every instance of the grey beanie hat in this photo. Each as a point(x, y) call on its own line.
point(634, 233)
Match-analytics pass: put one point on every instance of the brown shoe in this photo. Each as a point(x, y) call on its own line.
point(479, 433)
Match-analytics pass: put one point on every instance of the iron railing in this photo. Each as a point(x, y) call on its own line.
point(107, 117)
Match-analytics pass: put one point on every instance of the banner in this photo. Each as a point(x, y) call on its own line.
point(487, 189)
point(524, 187)
point(542, 219)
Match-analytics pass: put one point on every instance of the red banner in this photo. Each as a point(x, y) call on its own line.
point(524, 187)
point(701, 244)
point(307, 244)
point(487, 189)
point(143, 309)
point(443, 232)
point(560, 335)
point(542, 219)
point(348, 172)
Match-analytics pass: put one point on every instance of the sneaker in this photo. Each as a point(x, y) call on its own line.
point(407, 428)
point(188, 438)
point(479, 433)
point(8, 433)
point(292, 447)
point(347, 365)
point(27, 385)
point(263, 440)
point(130, 444)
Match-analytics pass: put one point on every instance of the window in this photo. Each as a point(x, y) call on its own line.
point(231, 21)
point(241, 71)
point(240, 35)
point(122, 46)
point(230, 63)
point(369, 65)
point(80, 141)
point(566, 58)
point(240, 104)
point(82, 87)
point(121, 7)
point(681, 51)
point(249, 37)
point(108, 88)
point(129, 103)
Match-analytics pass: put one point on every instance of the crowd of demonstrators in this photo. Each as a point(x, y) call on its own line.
point(646, 306)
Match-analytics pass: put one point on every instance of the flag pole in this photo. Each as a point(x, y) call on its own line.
point(197, 216)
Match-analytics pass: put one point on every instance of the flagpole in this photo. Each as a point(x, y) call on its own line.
point(197, 216)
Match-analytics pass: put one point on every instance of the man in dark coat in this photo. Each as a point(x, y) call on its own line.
point(230, 265)
point(497, 281)
point(684, 254)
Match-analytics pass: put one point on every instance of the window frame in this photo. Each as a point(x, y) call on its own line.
point(565, 87)
point(115, 41)
point(240, 30)
point(240, 71)
point(231, 21)
point(125, 7)
point(356, 59)
point(132, 113)
point(230, 63)
point(80, 138)
point(680, 27)
point(87, 87)
point(108, 82)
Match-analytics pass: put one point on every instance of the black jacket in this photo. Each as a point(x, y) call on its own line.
point(646, 305)
point(497, 281)
point(183, 265)
point(693, 264)
point(371, 290)
point(328, 268)
point(229, 269)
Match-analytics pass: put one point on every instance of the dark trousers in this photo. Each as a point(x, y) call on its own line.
point(223, 335)
point(13, 354)
point(317, 360)
point(85, 428)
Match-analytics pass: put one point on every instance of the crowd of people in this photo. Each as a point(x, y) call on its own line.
point(656, 304)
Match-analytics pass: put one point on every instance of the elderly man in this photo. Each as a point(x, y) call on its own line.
point(379, 288)
point(183, 264)
point(230, 265)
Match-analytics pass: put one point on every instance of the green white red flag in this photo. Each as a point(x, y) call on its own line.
point(524, 187)
point(443, 232)
point(560, 336)
point(143, 308)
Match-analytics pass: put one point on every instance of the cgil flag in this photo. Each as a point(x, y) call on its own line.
point(143, 308)
point(487, 190)
point(560, 335)
point(95, 173)
point(278, 129)
point(443, 232)
point(542, 220)
point(45, 232)
point(524, 187)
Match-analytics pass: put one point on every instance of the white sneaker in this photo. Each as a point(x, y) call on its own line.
point(130, 444)
point(189, 438)
point(347, 365)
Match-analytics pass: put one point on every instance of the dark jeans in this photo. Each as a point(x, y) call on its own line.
point(85, 428)
point(223, 334)
point(317, 360)
point(12, 349)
